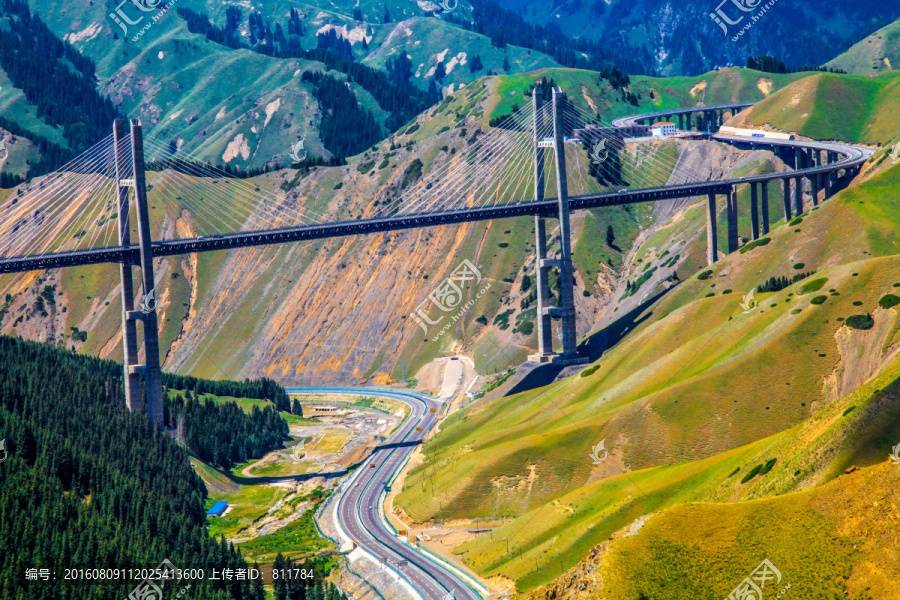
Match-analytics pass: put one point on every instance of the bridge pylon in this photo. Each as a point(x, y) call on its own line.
point(565, 311)
point(146, 314)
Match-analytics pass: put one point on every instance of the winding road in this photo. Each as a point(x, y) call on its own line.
point(358, 511)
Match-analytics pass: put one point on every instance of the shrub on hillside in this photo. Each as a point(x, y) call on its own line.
point(768, 466)
point(812, 286)
point(818, 300)
point(590, 371)
point(751, 473)
point(860, 322)
point(889, 301)
point(755, 244)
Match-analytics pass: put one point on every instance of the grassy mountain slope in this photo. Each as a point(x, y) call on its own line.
point(220, 103)
point(15, 107)
point(695, 378)
point(228, 106)
point(696, 389)
point(428, 40)
point(878, 52)
point(827, 106)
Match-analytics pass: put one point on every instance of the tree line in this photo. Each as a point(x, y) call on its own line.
point(57, 79)
point(87, 483)
point(505, 27)
point(350, 128)
point(778, 283)
point(223, 435)
point(260, 389)
point(770, 64)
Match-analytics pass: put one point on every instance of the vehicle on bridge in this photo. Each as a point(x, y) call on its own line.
point(772, 135)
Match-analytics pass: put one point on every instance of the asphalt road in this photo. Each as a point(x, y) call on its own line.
point(358, 503)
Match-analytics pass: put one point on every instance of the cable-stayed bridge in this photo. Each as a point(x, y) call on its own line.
point(545, 160)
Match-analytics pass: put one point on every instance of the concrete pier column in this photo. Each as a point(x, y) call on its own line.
point(566, 271)
point(134, 399)
point(765, 208)
point(798, 158)
point(712, 238)
point(732, 214)
point(814, 188)
point(787, 198)
point(798, 195)
point(542, 282)
point(681, 121)
point(151, 369)
point(690, 121)
point(754, 212)
point(541, 268)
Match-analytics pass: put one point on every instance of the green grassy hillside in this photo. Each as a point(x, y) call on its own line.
point(696, 390)
point(428, 40)
point(589, 92)
point(562, 532)
point(853, 108)
point(878, 52)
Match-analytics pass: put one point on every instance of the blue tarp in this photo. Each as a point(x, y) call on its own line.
point(217, 509)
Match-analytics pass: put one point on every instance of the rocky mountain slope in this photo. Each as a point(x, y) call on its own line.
point(204, 75)
point(682, 39)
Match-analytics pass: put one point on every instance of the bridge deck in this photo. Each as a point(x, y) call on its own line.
point(852, 156)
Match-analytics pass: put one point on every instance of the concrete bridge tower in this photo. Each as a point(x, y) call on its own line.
point(565, 311)
point(150, 371)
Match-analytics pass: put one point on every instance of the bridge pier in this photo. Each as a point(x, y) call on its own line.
point(150, 370)
point(787, 198)
point(566, 309)
point(569, 354)
point(712, 238)
point(542, 272)
point(814, 188)
point(133, 395)
point(798, 195)
point(754, 212)
point(541, 266)
point(765, 207)
point(732, 213)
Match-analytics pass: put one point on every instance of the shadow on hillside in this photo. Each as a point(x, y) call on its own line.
point(594, 347)
point(539, 376)
point(605, 339)
point(245, 480)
